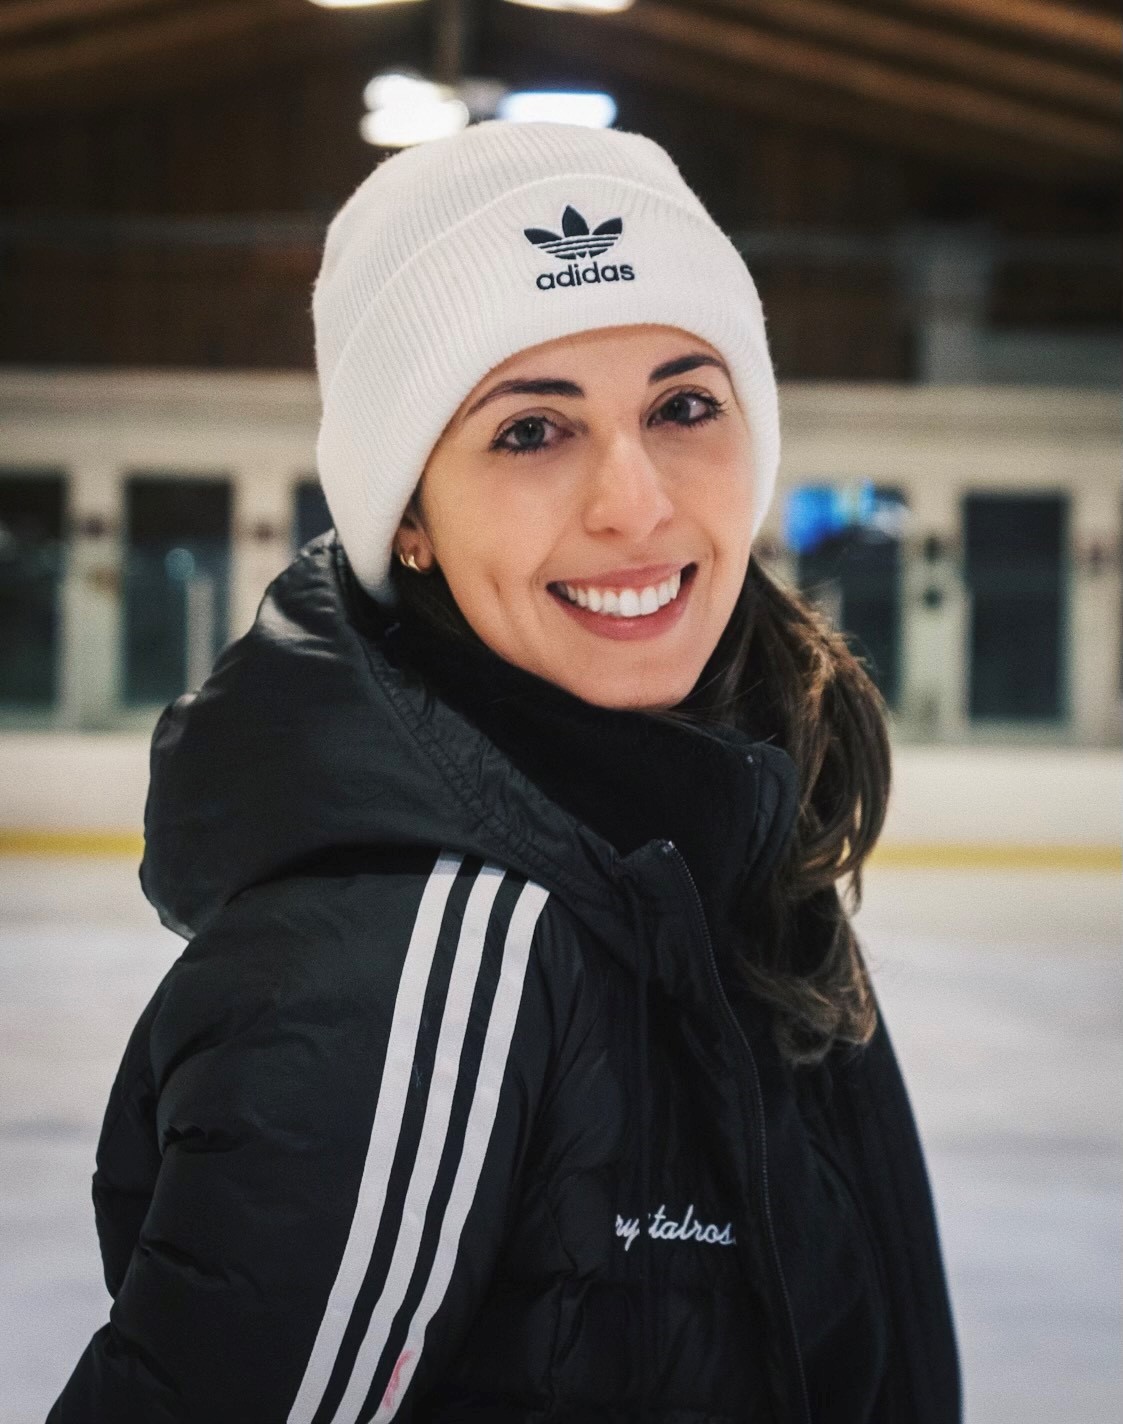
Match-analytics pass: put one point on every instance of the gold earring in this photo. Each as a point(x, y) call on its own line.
point(409, 561)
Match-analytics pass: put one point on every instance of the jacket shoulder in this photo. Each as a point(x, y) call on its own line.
point(341, 945)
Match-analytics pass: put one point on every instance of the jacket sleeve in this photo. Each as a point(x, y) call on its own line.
point(313, 1144)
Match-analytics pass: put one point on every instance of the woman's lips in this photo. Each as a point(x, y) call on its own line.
point(644, 577)
point(641, 625)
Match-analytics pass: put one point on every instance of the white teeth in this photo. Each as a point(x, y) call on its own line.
point(629, 603)
point(625, 602)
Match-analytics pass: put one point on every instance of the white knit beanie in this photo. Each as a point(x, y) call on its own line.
point(455, 254)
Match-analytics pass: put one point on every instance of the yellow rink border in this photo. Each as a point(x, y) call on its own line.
point(966, 855)
point(77, 843)
point(934, 855)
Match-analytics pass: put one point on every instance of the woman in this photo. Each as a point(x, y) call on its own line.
point(522, 1064)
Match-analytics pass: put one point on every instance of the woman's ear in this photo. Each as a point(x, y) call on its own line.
point(411, 542)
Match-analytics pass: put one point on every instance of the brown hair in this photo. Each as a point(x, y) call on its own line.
point(783, 674)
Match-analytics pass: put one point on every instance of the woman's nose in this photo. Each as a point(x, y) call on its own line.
point(627, 493)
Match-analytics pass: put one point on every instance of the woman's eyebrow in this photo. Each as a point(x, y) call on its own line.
point(687, 363)
point(545, 386)
point(554, 386)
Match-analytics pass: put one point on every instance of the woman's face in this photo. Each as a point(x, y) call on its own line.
point(590, 507)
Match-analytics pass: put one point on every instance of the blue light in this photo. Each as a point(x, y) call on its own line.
point(812, 514)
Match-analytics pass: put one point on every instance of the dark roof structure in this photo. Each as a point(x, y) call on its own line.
point(168, 167)
point(1017, 85)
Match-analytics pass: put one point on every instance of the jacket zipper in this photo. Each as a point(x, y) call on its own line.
point(758, 1098)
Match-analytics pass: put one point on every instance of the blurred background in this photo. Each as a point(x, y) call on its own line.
point(927, 193)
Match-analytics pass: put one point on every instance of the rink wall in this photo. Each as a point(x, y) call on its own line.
point(1019, 805)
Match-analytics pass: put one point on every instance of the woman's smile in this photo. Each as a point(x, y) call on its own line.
point(642, 603)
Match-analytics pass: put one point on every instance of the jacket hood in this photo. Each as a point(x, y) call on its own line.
point(307, 742)
point(304, 740)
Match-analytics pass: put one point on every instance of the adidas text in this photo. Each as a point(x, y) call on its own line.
point(574, 276)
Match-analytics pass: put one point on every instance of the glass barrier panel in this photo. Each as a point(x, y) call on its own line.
point(847, 539)
point(1016, 577)
point(176, 584)
point(31, 571)
point(311, 515)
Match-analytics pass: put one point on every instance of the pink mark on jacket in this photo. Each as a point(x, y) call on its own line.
point(396, 1379)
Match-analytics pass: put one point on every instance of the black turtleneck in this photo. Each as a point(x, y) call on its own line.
point(631, 776)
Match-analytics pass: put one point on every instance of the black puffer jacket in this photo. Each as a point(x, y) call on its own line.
point(449, 1110)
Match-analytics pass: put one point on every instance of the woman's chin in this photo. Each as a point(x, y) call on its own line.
point(649, 690)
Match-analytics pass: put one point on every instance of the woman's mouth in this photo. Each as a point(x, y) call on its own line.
point(628, 611)
point(624, 602)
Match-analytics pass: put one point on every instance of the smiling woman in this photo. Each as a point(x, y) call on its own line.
point(523, 1064)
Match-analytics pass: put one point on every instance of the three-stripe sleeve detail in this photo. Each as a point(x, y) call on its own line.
point(481, 1119)
point(388, 1115)
point(434, 1131)
point(411, 1275)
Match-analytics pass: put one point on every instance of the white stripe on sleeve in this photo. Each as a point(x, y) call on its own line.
point(481, 1120)
point(434, 1135)
point(388, 1115)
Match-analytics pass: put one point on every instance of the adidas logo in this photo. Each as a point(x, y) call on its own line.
point(575, 241)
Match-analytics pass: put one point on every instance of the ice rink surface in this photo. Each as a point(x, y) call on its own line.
point(1001, 990)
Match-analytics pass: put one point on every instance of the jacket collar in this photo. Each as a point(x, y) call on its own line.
point(307, 742)
point(630, 776)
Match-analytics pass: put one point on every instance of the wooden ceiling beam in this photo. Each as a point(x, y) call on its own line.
point(166, 42)
point(101, 52)
point(921, 97)
point(939, 49)
point(19, 18)
point(1042, 20)
point(173, 47)
point(766, 94)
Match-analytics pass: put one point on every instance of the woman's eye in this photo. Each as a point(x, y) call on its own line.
point(679, 405)
point(530, 427)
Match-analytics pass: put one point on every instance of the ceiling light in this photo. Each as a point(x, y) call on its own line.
point(356, 4)
point(587, 7)
point(401, 125)
point(403, 87)
point(595, 111)
point(406, 108)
